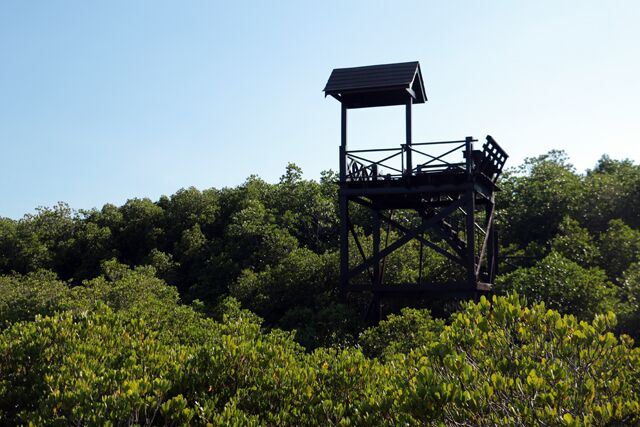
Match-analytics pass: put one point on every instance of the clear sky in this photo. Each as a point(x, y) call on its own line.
point(103, 101)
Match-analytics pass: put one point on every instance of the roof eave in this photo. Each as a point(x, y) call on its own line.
point(421, 83)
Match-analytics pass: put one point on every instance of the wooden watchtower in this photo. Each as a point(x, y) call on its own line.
point(447, 186)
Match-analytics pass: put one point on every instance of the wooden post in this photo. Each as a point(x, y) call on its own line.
point(375, 220)
point(493, 247)
point(343, 144)
point(470, 216)
point(377, 280)
point(344, 208)
point(409, 168)
point(344, 244)
point(468, 147)
point(490, 240)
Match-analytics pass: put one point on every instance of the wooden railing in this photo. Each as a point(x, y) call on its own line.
point(411, 160)
point(394, 163)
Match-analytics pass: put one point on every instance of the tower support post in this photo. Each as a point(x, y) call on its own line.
point(343, 207)
point(344, 244)
point(375, 216)
point(408, 153)
point(343, 143)
point(470, 216)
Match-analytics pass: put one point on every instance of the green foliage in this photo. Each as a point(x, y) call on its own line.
point(90, 333)
point(254, 230)
point(134, 293)
point(401, 333)
point(199, 241)
point(328, 325)
point(575, 243)
point(190, 207)
point(630, 290)
point(95, 369)
point(163, 264)
point(23, 297)
point(300, 276)
point(8, 245)
point(496, 363)
point(563, 285)
point(619, 248)
point(230, 310)
point(141, 230)
point(536, 198)
point(504, 363)
point(611, 190)
point(274, 246)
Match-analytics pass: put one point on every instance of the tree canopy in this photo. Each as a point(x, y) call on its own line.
point(220, 306)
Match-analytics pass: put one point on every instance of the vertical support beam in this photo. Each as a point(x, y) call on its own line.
point(470, 216)
point(420, 266)
point(343, 144)
point(484, 257)
point(468, 147)
point(493, 248)
point(343, 207)
point(490, 241)
point(471, 243)
point(377, 279)
point(375, 221)
point(344, 244)
point(409, 168)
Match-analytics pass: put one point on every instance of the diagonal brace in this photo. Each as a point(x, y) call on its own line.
point(409, 235)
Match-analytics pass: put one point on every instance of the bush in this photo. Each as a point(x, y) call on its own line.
point(563, 285)
point(630, 313)
point(496, 363)
point(23, 297)
point(619, 248)
point(401, 333)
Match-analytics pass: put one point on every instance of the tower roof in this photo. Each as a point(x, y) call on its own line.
point(377, 85)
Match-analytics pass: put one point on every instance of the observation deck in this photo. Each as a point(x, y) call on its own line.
point(442, 172)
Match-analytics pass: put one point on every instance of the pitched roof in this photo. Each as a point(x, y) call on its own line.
point(377, 85)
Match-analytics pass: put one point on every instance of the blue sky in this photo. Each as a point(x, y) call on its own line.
point(109, 100)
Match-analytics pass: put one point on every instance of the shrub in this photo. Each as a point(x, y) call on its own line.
point(563, 285)
point(499, 363)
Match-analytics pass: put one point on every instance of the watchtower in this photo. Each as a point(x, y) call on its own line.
point(448, 187)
